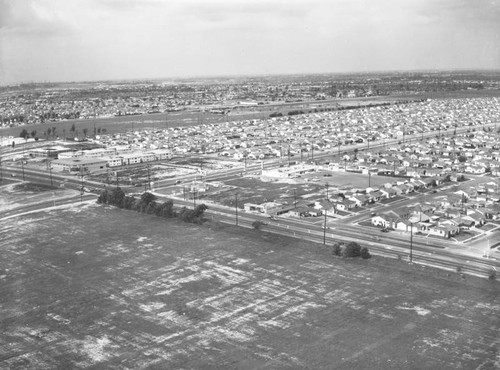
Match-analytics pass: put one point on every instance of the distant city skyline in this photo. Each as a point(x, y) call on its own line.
point(86, 40)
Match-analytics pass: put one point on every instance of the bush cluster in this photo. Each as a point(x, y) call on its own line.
point(352, 249)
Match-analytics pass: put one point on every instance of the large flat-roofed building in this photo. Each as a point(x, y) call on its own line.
point(85, 165)
point(49, 152)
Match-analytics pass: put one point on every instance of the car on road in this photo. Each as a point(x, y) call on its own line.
point(384, 230)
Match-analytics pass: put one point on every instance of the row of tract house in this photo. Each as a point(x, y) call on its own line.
point(428, 220)
point(445, 215)
point(293, 135)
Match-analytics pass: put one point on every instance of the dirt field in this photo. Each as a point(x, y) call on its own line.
point(96, 287)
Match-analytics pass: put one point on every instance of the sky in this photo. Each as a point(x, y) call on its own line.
point(85, 40)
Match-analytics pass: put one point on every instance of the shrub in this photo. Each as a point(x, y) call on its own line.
point(128, 202)
point(103, 197)
point(365, 254)
point(352, 249)
point(492, 275)
point(257, 224)
point(336, 249)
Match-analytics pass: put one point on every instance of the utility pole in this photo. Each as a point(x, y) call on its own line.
point(81, 189)
point(194, 198)
point(324, 230)
point(294, 198)
point(1, 174)
point(327, 185)
point(236, 207)
point(50, 170)
point(149, 178)
point(411, 242)
point(22, 165)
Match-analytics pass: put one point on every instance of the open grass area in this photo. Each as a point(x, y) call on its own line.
point(98, 287)
point(351, 180)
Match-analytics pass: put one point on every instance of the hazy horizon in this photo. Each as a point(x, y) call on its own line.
point(108, 40)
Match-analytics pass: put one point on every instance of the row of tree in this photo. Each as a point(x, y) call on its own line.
point(53, 131)
point(148, 204)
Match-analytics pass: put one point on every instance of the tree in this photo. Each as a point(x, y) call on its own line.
point(352, 249)
point(166, 209)
point(24, 134)
point(116, 197)
point(73, 129)
point(85, 131)
point(33, 134)
point(462, 158)
point(147, 197)
point(200, 210)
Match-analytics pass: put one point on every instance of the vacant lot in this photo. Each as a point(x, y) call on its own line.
point(97, 287)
